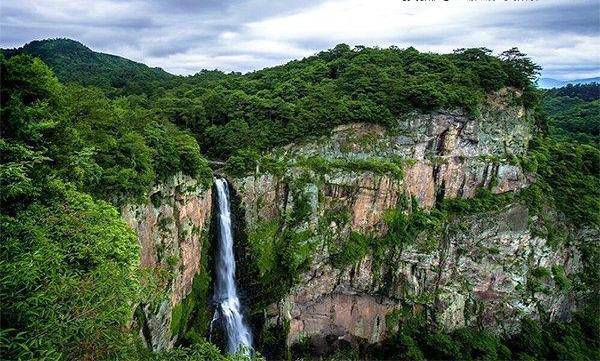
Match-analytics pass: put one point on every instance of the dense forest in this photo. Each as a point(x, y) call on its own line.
point(70, 156)
point(72, 62)
point(84, 133)
point(229, 113)
point(574, 112)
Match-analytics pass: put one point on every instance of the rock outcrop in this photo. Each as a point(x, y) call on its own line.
point(171, 226)
point(478, 276)
point(479, 272)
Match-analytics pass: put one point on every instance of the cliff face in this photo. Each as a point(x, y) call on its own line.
point(484, 269)
point(317, 257)
point(171, 226)
point(478, 276)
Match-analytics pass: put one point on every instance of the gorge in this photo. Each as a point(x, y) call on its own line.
point(455, 260)
point(361, 203)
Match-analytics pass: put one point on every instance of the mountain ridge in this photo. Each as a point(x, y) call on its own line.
point(74, 62)
point(549, 83)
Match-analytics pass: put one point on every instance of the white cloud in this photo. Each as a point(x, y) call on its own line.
point(228, 35)
point(358, 20)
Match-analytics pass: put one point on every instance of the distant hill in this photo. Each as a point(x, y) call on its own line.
point(548, 83)
point(587, 92)
point(574, 112)
point(72, 61)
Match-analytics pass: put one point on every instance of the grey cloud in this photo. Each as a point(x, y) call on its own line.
point(12, 13)
point(581, 17)
point(161, 50)
point(186, 36)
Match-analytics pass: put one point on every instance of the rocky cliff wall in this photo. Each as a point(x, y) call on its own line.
point(171, 226)
point(315, 245)
point(485, 269)
point(479, 276)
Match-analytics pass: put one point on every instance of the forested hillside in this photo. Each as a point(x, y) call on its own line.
point(309, 97)
point(75, 150)
point(72, 62)
point(574, 112)
point(70, 157)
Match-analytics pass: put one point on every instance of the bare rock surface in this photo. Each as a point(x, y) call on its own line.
point(171, 227)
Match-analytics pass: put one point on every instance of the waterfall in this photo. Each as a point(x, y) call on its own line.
point(225, 297)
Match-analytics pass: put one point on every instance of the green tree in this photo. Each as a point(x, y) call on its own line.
point(69, 278)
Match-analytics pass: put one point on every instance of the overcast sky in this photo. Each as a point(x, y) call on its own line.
point(186, 36)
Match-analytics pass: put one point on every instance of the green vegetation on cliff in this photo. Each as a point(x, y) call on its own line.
point(71, 154)
point(70, 278)
point(70, 266)
point(308, 97)
point(113, 149)
point(575, 340)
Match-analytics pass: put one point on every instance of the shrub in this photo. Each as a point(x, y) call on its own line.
point(350, 251)
point(70, 278)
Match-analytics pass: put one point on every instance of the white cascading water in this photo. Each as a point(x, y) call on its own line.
point(237, 332)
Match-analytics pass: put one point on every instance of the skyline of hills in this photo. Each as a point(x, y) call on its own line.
point(73, 61)
point(549, 83)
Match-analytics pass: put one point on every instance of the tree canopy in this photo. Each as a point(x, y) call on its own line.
point(73, 151)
